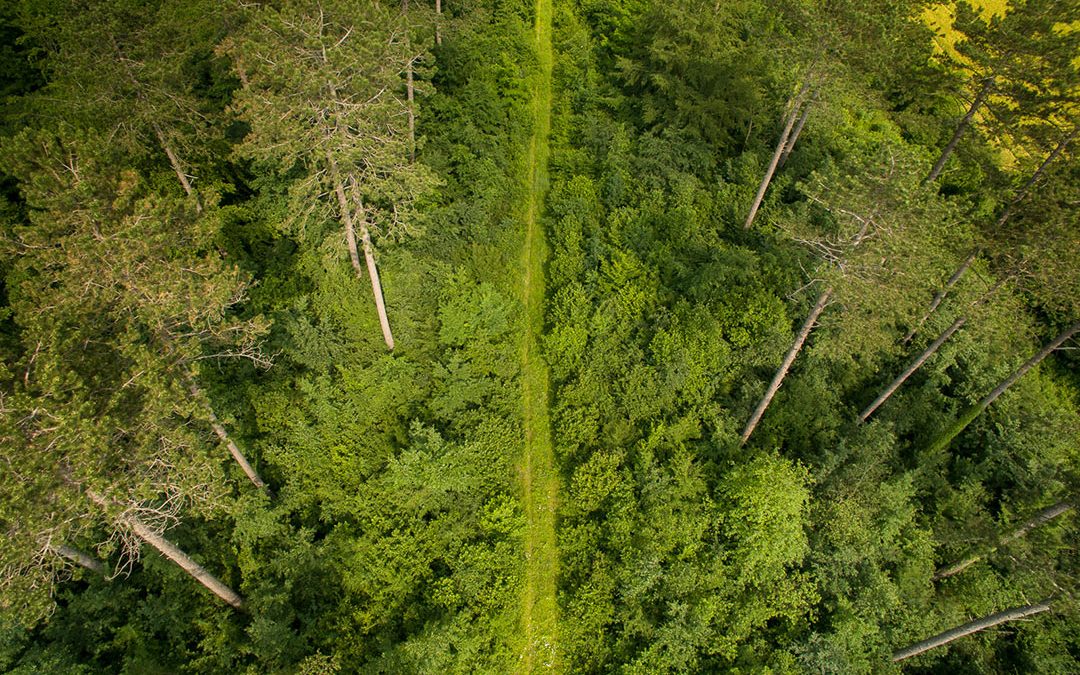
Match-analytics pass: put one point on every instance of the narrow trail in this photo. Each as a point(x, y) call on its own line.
point(539, 479)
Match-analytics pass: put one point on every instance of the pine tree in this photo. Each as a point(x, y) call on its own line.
point(323, 94)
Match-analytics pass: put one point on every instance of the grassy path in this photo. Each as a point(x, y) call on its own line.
point(539, 478)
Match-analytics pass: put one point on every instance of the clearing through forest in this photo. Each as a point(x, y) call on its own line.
point(539, 478)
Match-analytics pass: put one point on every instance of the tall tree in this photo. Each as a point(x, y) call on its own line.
point(969, 415)
point(1040, 518)
point(129, 71)
point(795, 106)
point(323, 94)
point(873, 232)
point(941, 639)
point(130, 520)
point(999, 238)
point(1021, 62)
point(138, 267)
point(785, 365)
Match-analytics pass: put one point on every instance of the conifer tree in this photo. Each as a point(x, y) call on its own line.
point(323, 95)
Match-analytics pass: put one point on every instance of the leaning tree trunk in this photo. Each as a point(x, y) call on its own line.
point(1026, 188)
point(915, 365)
point(790, 145)
point(971, 413)
point(778, 378)
point(80, 558)
point(174, 161)
point(969, 628)
point(237, 455)
point(354, 254)
point(1028, 365)
point(1044, 516)
point(796, 104)
point(940, 297)
point(373, 274)
point(173, 553)
point(980, 98)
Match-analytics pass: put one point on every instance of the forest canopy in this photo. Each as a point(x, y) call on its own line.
point(539, 335)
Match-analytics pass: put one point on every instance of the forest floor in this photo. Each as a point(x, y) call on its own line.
point(540, 481)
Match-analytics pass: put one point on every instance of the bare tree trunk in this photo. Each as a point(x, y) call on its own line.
point(79, 558)
point(946, 437)
point(410, 91)
point(915, 365)
point(778, 378)
point(795, 134)
point(373, 274)
point(237, 455)
point(980, 98)
point(173, 553)
point(971, 627)
point(796, 104)
point(350, 231)
point(354, 254)
point(960, 272)
point(178, 168)
point(1026, 189)
point(1044, 516)
point(438, 17)
point(1028, 365)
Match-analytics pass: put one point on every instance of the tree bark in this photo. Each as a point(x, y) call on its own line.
point(438, 17)
point(177, 168)
point(173, 553)
point(946, 437)
point(960, 272)
point(915, 365)
point(795, 134)
point(778, 378)
point(980, 98)
point(796, 104)
point(1028, 365)
point(373, 274)
point(969, 628)
point(410, 90)
point(237, 455)
point(1044, 516)
point(369, 255)
point(79, 558)
point(1026, 188)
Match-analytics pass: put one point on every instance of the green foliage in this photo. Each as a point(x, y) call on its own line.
point(393, 537)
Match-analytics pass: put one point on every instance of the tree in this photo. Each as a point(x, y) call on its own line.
point(785, 365)
point(128, 70)
point(795, 106)
point(915, 365)
point(969, 415)
point(322, 95)
point(871, 229)
point(1023, 64)
point(152, 535)
point(1042, 517)
point(998, 238)
point(109, 261)
point(1013, 614)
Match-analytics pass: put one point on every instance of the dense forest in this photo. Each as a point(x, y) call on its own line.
point(586, 336)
